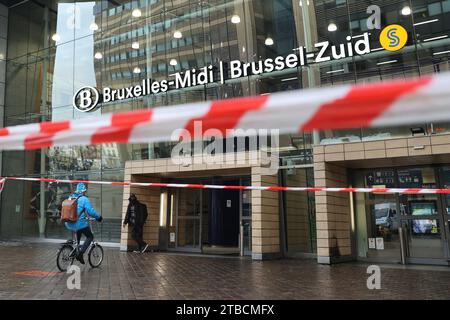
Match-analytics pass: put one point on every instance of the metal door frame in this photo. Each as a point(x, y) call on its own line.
point(243, 219)
point(439, 217)
point(370, 202)
point(177, 218)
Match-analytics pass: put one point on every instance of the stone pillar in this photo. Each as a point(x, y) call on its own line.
point(265, 217)
point(333, 218)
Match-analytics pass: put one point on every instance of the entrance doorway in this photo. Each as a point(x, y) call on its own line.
point(423, 218)
point(223, 216)
point(208, 220)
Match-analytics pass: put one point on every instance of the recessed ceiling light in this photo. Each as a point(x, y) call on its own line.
point(137, 70)
point(177, 34)
point(135, 45)
point(136, 13)
point(173, 62)
point(235, 19)
point(93, 26)
point(56, 37)
point(98, 55)
point(332, 27)
point(269, 41)
point(406, 11)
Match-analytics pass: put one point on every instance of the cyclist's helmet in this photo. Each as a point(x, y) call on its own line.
point(81, 187)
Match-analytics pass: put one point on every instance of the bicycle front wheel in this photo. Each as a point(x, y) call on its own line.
point(64, 258)
point(95, 255)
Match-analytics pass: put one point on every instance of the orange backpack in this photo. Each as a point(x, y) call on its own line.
point(69, 210)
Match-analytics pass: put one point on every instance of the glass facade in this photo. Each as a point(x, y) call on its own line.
point(422, 216)
point(56, 47)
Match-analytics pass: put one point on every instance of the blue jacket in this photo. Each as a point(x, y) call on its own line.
point(84, 210)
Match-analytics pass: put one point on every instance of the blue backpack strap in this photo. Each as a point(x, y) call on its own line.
point(84, 209)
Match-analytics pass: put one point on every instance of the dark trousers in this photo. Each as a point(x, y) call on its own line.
point(89, 237)
point(137, 235)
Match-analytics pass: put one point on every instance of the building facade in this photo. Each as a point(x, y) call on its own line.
point(50, 49)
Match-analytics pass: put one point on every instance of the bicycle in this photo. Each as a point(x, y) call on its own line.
point(69, 250)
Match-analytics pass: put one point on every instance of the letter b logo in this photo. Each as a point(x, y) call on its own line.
point(86, 99)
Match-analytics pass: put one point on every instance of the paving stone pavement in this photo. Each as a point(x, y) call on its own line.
point(173, 276)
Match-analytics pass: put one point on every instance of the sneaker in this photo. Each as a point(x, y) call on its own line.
point(145, 248)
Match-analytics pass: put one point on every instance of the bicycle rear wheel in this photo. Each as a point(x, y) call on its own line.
point(95, 255)
point(64, 259)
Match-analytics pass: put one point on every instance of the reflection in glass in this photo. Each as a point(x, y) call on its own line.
point(89, 43)
point(424, 238)
point(188, 233)
point(300, 213)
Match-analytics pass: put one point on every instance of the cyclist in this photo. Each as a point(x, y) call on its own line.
point(81, 226)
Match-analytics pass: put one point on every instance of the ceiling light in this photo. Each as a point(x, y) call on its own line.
point(289, 79)
point(93, 26)
point(406, 11)
point(56, 37)
point(332, 27)
point(173, 62)
point(98, 55)
point(335, 71)
point(136, 13)
point(269, 41)
point(360, 35)
point(441, 52)
point(177, 34)
point(137, 70)
point(235, 19)
point(386, 62)
point(135, 45)
point(425, 22)
point(435, 38)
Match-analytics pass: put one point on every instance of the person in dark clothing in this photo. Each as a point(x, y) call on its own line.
point(136, 217)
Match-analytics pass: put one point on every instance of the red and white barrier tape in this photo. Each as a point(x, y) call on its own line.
point(391, 103)
point(212, 186)
point(2, 184)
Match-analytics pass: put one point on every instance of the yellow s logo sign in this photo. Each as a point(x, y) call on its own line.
point(393, 37)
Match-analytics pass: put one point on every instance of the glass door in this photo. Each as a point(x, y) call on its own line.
point(422, 217)
point(423, 225)
point(383, 221)
point(189, 215)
